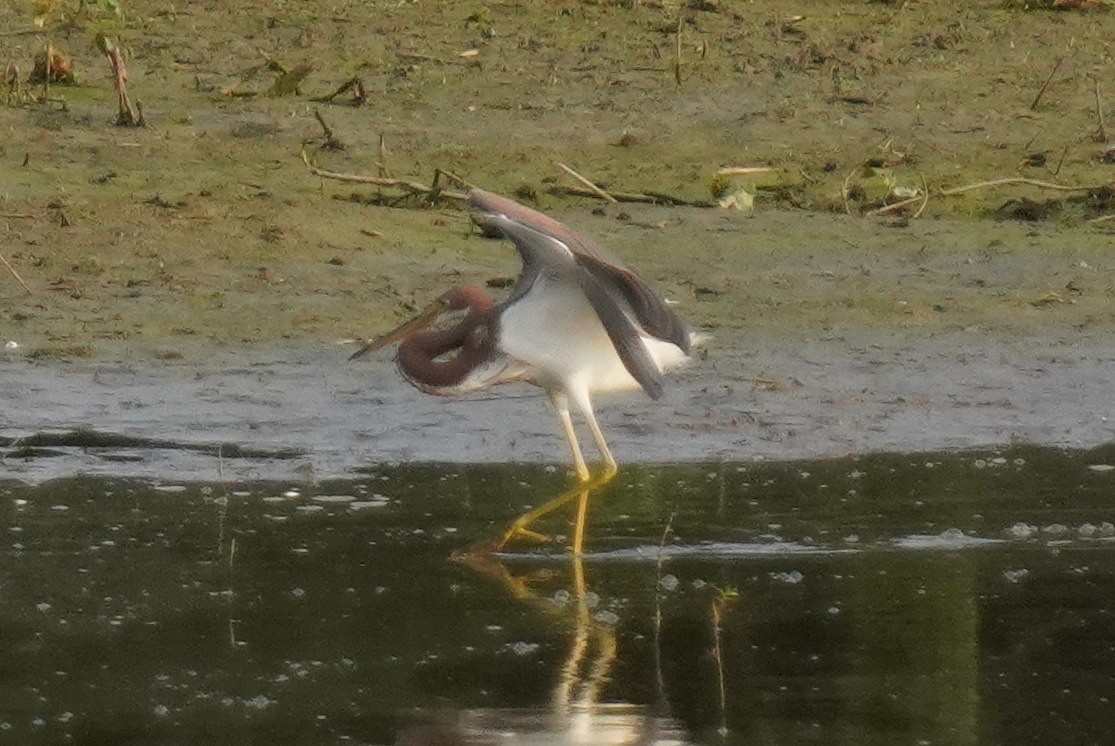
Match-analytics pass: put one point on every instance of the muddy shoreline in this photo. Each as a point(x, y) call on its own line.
point(307, 413)
point(188, 279)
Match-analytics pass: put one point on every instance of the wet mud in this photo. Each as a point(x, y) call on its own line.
point(321, 416)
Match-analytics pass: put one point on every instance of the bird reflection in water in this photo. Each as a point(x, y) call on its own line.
point(575, 715)
point(576, 322)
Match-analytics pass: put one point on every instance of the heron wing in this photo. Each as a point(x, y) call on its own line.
point(544, 253)
point(650, 312)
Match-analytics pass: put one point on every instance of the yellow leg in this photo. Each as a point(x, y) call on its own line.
point(610, 465)
point(561, 405)
point(519, 526)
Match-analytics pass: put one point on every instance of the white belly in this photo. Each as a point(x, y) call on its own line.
point(555, 330)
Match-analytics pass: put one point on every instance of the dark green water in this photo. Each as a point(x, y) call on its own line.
point(931, 598)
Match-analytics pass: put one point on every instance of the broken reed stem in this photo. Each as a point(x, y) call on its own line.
point(15, 274)
point(355, 84)
point(844, 192)
point(743, 170)
point(1101, 219)
point(924, 196)
point(128, 115)
point(599, 192)
point(1101, 133)
point(652, 198)
point(1056, 66)
point(925, 201)
point(677, 48)
point(413, 187)
point(895, 206)
point(1016, 180)
point(49, 71)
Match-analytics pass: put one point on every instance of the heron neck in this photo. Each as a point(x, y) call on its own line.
point(442, 358)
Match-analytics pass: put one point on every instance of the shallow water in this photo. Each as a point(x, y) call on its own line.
point(930, 598)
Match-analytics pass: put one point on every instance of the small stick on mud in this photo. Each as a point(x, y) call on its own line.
point(383, 172)
point(677, 48)
point(924, 191)
point(128, 115)
point(332, 142)
point(651, 198)
point(439, 172)
point(1056, 66)
point(845, 192)
point(1061, 160)
point(743, 170)
point(15, 274)
point(1100, 219)
point(412, 187)
point(12, 84)
point(894, 206)
point(1017, 180)
point(1101, 133)
point(355, 84)
point(599, 192)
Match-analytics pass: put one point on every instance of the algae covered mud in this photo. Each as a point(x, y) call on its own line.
point(205, 228)
point(213, 528)
point(954, 598)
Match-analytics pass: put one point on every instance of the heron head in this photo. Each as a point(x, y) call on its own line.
point(453, 305)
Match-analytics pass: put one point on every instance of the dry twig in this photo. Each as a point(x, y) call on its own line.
point(647, 197)
point(1101, 133)
point(332, 142)
point(15, 274)
point(598, 191)
point(1056, 66)
point(355, 84)
point(845, 191)
point(896, 205)
point(1016, 180)
point(411, 187)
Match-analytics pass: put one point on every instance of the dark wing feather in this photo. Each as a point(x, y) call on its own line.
point(651, 313)
point(625, 337)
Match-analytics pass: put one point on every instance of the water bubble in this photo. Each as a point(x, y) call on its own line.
point(1102, 468)
point(1021, 531)
point(161, 711)
point(332, 499)
point(609, 618)
point(668, 583)
point(793, 577)
point(1014, 576)
point(952, 535)
point(259, 702)
point(524, 648)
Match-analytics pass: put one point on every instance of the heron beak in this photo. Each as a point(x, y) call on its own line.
point(419, 322)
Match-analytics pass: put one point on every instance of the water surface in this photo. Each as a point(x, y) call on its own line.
point(928, 598)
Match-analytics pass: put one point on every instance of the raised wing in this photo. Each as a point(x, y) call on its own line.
point(622, 301)
point(651, 314)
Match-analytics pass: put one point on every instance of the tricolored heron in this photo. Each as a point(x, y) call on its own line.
point(576, 322)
